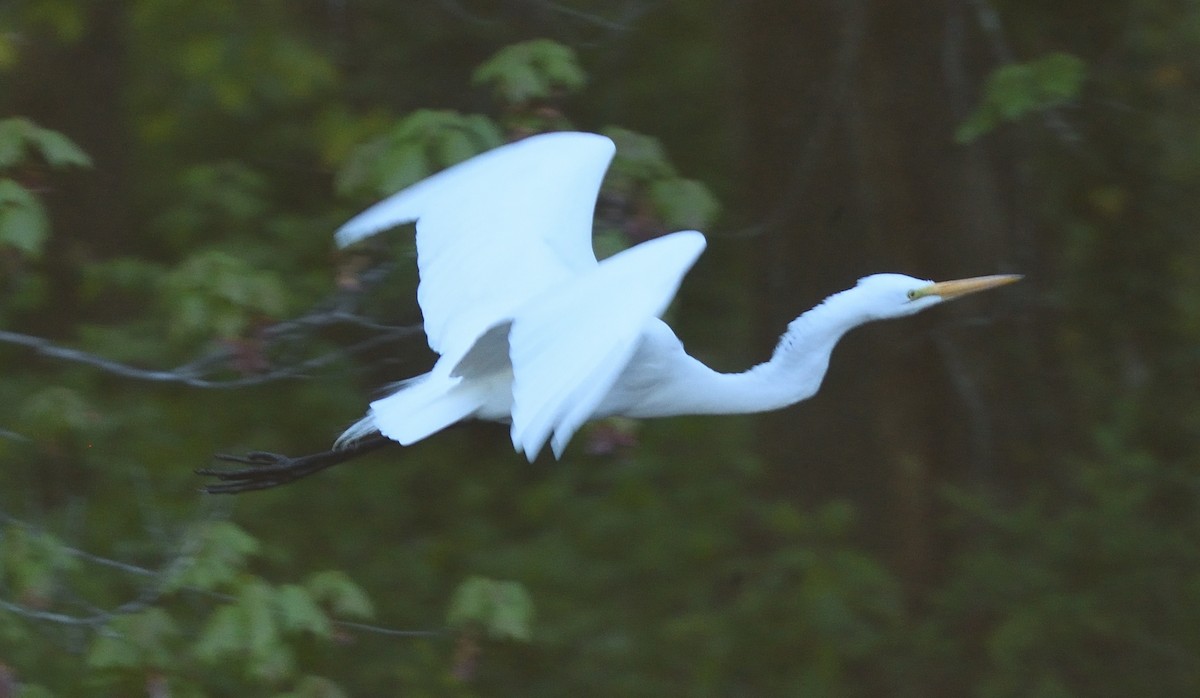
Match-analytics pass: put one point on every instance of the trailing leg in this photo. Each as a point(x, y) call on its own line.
point(272, 469)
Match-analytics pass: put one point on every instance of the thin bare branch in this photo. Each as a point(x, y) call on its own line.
point(187, 373)
point(335, 311)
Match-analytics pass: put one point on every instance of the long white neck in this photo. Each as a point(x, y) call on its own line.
point(793, 373)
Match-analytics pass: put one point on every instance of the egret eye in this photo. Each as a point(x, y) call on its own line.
point(913, 295)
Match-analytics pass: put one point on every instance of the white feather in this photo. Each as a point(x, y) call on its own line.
point(569, 344)
point(530, 328)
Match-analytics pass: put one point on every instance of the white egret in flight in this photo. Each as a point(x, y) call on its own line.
point(532, 330)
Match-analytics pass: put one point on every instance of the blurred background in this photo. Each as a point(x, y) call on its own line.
point(996, 498)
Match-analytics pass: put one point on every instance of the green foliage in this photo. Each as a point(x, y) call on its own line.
point(222, 551)
point(679, 566)
point(335, 589)
point(1017, 90)
point(503, 610)
point(639, 157)
point(684, 203)
point(32, 563)
point(140, 640)
point(1054, 586)
point(249, 631)
point(227, 197)
point(418, 145)
point(214, 293)
point(59, 415)
point(540, 69)
point(20, 137)
point(655, 195)
point(23, 224)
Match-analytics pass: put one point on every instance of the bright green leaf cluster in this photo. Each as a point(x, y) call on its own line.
point(1023, 88)
point(421, 143)
point(532, 70)
point(215, 293)
point(501, 609)
point(221, 551)
point(253, 635)
point(257, 627)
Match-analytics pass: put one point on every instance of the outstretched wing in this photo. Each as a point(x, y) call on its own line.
point(496, 230)
point(569, 345)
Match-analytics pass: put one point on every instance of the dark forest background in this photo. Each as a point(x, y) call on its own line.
point(996, 498)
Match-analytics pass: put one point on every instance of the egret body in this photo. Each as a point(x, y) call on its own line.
point(532, 330)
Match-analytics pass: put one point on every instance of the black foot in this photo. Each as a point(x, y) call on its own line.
point(272, 469)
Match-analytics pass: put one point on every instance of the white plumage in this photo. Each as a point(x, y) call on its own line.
point(531, 328)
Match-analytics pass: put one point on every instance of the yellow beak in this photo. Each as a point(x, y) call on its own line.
point(949, 290)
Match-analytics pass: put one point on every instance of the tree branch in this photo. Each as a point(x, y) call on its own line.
point(335, 311)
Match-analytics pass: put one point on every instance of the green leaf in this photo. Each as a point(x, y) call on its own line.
point(221, 635)
point(420, 144)
point(215, 293)
point(456, 146)
point(32, 562)
point(23, 222)
point(1017, 90)
point(639, 157)
point(60, 151)
point(18, 135)
point(142, 640)
point(1059, 76)
point(335, 589)
point(401, 167)
point(273, 663)
point(502, 609)
point(219, 559)
point(684, 203)
point(299, 612)
point(13, 134)
point(531, 70)
point(256, 598)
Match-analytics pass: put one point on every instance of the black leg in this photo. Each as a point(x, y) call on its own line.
point(272, 469)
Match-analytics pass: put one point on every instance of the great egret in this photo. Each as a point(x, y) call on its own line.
point(533, 331)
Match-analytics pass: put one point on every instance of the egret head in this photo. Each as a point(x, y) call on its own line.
point(896, 295)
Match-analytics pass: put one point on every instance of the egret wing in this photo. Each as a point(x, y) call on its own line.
point(496, 230)
point(569, 345)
